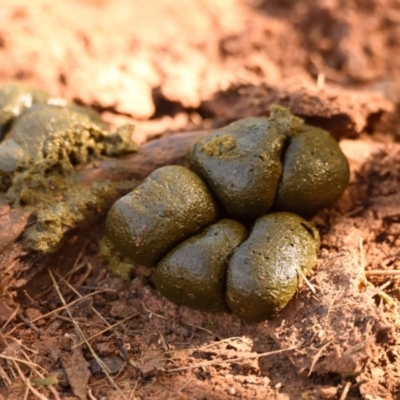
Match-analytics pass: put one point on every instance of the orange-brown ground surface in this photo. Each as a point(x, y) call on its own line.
point(180, 65)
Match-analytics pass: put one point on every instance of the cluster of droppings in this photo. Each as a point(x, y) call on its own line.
point(251, 167)
point(276, 164)
point(172, 204)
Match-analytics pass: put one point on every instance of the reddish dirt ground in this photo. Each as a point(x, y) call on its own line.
point(180, 66)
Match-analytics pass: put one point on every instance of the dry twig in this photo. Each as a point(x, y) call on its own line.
point(345, 391)
point(202, 329)
point(80, 333)
point(232, 360)
point(309, 284)
point(317, 356)
point(385, 272)
point(107, 329)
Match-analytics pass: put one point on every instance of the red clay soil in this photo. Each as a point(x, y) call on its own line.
point(180, 66)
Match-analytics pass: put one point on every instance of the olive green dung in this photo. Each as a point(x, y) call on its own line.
point(46, 137)
point(193, 274)
point(255, 163)
point(171, 204)
point(241, 163)
point(42, 143)
point(315, 173)
point(263, 273)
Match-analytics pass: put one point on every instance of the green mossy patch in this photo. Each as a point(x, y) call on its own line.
point(220, 146)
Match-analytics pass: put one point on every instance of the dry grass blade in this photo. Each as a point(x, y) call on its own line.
point(72, 303)
point(380, 272)
point(317, 356)
point(50, 387)
point(12, 316)
point(90, 394)
point(91, 307)
point(132, 395)
point(151, 312)
point(106, 329)
point(345, 391)
point(31, 325)
point(202, 329)
point(394, 273)
point(80, 333)
point(309, 284)
point(206, 346)
point(362, 257)
point(232, 360)
point(385, 285)
point(28, 384)
point(33, 367)
point(3, 375)
point(18, 360)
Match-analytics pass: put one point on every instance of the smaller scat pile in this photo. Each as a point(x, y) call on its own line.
point(187, 221)
point(41, 143)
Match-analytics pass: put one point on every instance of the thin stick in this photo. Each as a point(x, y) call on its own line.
point(6, 379)
point(18, 360)
point(331, 305)
point(362, 260)
point(91, 397)
point(26, 394)
point(32, 365)
point(12, 371)
point(385, 285)
point(84, 276)
point(317, 356)
point(79, 330)
point(358, 346)
point(309, 284)
point(12, 316)
point(75, 267)
point(380, 272)
point(205, 346)
point(31, 325)
point(345, 391)
point(91, 306)
point(151, 312)
point(28, 384)
point(106, 329)
point(183, 387)
point(162, 338)
point(132, 395)
point(232, 360)
point(375, 272)
point(50, 387)
point(202, 329)
point(70, 304)
point(100, 315)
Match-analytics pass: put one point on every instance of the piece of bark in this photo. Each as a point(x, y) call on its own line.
point(12, 223)
point(343, 112)
point(168, 150)
point(77, 369)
